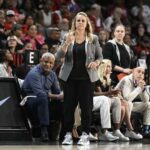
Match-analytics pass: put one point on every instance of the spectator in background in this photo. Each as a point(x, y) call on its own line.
point(28, 46)
point(24, 68)
point(44, 49)
point(97, 14)
point(64, 28)
point(17, 31)
point(143, 45)
point(127, 40)
point(115, 18)
point(28, 21)
point(6, 65)
point(2, 18)
point(73, 7)
point(53, 39)
point(10, 21)
point(33, 37)
point(12, 43)
point(28, 8)
point(103, 37)
point(45, 16)
point(11, 5)
point(1, 4)
point(140, 32)
point(2, 30)
point(6, 60)
point(140, 13)
point(63, 12)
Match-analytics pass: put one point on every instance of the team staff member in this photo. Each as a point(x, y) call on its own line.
point(82, 54)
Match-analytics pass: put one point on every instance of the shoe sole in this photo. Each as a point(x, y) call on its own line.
point(110, 140)
point(122, 140)
point(83, 144)
point(67, 143)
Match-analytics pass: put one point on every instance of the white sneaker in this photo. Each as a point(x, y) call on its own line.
point(133, 135)
point(68, 139)
point(67, 147)
point(92, 137)
point(107, 136)
point(84, 139)
point(121, 136)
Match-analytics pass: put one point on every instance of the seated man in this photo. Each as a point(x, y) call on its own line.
point(39, 84)
point(132, 87)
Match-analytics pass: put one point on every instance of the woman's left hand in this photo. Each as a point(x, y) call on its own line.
point(92, 65)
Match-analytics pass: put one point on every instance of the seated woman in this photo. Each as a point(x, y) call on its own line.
point(6, 65)
point(6, 59)
point(118, 106)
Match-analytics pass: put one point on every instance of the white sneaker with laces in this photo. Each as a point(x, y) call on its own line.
point(107, 136)
point(68, 139)
point(92, 137)
point(84, 139)
point(133, 135)
point(121, 136)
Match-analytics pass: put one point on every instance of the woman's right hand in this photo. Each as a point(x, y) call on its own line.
point(70, 38)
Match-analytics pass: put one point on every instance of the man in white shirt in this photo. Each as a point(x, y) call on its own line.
point(133, 87)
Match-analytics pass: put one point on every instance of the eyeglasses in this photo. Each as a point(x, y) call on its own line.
point(80, 20)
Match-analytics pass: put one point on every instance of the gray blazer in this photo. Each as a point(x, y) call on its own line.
point(93, 53)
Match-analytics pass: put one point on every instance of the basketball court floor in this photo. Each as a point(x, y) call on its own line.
point(132, 145)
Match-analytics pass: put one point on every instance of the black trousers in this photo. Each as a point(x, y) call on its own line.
point(77, 91)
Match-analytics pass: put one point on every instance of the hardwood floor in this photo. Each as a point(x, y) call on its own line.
point(133, 145)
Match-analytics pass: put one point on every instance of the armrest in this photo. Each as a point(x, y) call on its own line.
point(22, 103)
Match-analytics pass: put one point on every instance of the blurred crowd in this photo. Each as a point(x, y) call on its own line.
point(40, 25)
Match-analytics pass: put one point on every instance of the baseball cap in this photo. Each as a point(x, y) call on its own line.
point(10, 13)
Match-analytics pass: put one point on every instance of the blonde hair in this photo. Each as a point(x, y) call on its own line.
point(88, 27)
point(104, 78)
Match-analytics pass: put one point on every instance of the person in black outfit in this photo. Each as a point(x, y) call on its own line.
point(119, 53)
point(82, 55)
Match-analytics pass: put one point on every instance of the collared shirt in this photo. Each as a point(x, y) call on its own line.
point(130, 91)
point(36, 83)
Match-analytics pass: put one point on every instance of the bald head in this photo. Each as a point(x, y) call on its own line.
point(138, 73)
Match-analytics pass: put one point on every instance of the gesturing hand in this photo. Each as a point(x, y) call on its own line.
point(70, 38)
point(92, 65)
